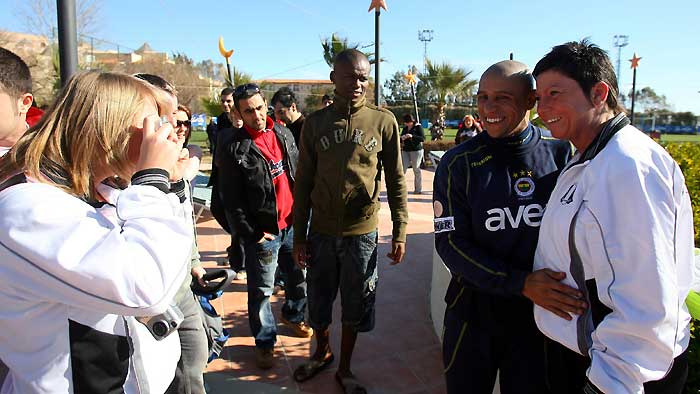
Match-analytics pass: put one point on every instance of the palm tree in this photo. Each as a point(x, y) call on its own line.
point(442, 80)
point(335, 44)
point(239, 77)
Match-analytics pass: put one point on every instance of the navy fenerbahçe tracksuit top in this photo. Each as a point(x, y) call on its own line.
point(489, 197)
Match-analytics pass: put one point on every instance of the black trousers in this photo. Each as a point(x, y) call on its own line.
point(566, 372)
point(474, 352)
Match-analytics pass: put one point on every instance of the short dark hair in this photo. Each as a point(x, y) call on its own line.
point(585, 63)
point(326, 97)
point(226, 91)
point(158, 82)
point(15, 78)
point(409, 118)
point(246, 91)
point(350, 56)
point(285, 97)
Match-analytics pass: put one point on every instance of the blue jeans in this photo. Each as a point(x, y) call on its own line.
point(345, 263)
point(261, 262)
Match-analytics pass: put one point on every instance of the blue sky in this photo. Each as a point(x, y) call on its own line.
point(281, 38)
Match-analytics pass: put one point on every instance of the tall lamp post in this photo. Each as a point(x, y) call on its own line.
point(411, 79)
point(227, 54)
point(67, 39)
point(620, 41)
point(635, 63)
point(376, 5)
point(425, 35)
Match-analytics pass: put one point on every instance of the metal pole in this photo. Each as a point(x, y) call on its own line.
point(377, 59)
point(232, 83)
point(67, 39)
point(634, 90)
point(415, 103)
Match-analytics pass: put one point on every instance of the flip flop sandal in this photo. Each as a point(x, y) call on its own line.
point(309, 369)
point(350, 385)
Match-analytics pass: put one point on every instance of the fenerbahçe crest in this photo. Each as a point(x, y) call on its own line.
point(523, 186)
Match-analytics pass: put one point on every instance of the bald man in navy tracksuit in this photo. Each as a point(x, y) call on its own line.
point(489, 196)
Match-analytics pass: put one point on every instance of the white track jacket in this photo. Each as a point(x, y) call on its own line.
point(61, 261)
point(628, 213)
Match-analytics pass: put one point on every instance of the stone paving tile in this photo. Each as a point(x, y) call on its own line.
point(401, 355)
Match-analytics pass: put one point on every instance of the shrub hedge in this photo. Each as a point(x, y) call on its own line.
point(687, 155)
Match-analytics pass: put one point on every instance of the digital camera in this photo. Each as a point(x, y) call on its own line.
point(160, 326)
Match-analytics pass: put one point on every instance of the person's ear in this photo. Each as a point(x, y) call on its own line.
point(24, 103)
point(293, 107)
point(332, 76)
point(530, 100)
point(599, 93)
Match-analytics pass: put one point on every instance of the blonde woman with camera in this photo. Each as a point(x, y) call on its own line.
point(68, 273)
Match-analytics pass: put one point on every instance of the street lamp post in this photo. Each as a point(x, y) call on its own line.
point(67, 39)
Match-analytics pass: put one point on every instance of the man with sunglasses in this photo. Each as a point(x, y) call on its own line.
point(343, 148)
point(256, 176)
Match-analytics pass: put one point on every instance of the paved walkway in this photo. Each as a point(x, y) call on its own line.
point(401, 355)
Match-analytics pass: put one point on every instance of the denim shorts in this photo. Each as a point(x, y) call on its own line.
point(345, 263)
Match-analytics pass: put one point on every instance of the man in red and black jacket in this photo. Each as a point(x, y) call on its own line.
point(256, 177)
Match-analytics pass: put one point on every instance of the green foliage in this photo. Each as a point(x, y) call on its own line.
point(648, 99)
point(313, 101)
point(397, 91)
point(211, 106)
point(687, 155)
point(452, 112)
point(444, 79)
point(335, 44)
point(239, 77)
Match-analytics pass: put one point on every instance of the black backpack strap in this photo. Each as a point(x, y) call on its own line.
point(13, 180)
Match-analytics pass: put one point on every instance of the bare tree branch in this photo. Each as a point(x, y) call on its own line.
point(39, 16)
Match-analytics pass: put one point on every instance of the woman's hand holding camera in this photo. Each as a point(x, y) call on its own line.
point(159, 146)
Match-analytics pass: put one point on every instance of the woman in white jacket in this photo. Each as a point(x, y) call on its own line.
point(618, 227)
point(65, 269)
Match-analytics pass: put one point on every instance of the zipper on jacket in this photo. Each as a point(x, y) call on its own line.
point(341, 174)
point(255, 150)
point(286, 156)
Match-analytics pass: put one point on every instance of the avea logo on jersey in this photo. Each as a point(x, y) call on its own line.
point(501, 218)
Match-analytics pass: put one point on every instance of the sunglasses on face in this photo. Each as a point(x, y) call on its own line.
point(181, 123)
point(246, 90)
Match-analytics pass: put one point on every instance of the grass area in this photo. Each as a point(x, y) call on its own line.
point(448, 135)
point(680, 138)
point(198, 138)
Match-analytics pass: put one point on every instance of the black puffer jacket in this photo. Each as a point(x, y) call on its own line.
point(245, 183)
point(416, 142)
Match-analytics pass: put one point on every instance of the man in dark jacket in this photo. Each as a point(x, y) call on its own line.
point(489, 197)
point(223, 121)
point(256, 176)
point(285, 104)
